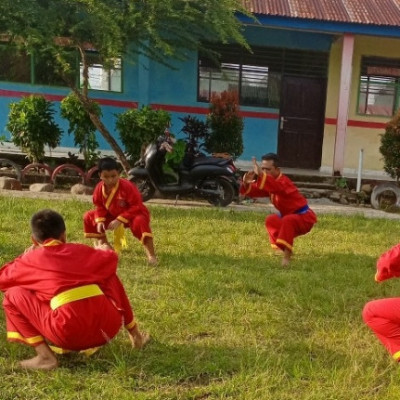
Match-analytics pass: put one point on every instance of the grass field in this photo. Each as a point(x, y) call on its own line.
point(227, 321)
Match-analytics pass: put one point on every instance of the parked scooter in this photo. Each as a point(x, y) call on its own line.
point(211, 178)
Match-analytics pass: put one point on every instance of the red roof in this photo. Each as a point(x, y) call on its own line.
point(377, 12)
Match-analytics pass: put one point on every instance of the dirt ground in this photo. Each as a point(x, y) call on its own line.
point(320, 206)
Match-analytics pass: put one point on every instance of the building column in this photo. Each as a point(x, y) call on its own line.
point(344, 101)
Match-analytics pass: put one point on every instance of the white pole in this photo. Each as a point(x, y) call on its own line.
point(360, 163)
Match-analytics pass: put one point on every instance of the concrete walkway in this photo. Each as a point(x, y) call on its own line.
point(320, 206)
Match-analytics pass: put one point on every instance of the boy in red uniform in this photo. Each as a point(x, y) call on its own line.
point(64, 293)
point(295, 218)
point(118, 204)
point(383, 316)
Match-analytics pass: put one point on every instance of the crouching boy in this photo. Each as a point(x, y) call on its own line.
point(64, 294)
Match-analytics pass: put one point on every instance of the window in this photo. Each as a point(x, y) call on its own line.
point(379, 86)
point(19, 66)
point(40, 69)
point(254, 83)
point(45, 72)
point(15, 66)
point(255, 76)
point(101, 77)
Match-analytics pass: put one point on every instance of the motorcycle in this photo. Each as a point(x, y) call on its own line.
point(212, 178)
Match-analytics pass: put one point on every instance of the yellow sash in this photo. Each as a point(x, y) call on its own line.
point(119, 238)
point(79, 293)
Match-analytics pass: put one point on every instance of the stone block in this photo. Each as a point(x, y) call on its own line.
point(81, 189)
point(10, 183)
point(41, 187)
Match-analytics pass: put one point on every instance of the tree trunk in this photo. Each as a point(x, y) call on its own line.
point(103, 130)
point(83, 97)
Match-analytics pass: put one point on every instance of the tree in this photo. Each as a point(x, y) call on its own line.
point(161, 30)
point(390, 147)
point(82, 127)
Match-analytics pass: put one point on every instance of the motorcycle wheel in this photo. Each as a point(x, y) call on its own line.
point(227, 194)
point(144, 186)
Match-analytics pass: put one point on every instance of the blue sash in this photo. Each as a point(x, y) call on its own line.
point(302, 210)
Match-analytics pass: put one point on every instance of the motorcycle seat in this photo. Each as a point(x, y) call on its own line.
point(211, 160)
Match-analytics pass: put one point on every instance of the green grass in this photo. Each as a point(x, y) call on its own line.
point(227, 321)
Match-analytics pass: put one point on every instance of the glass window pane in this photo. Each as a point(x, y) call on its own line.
point(227, 79)
point(377, 95)
point(45, 71)
point(254, 89)
point(15, 66)
point(101, 78)
point(116, 80)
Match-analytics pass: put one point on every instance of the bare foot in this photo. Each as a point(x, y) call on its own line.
point(39, 362)
point(140, 341)
point(152, 261)
point(286, 258)
point(285, 262)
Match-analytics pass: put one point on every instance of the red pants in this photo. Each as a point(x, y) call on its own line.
point(75, 326)
point(139, 226)
point(283, 230)
point(383, 317)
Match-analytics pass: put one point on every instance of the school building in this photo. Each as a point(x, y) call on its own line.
point(320, 84)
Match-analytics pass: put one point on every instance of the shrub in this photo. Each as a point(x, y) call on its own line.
point(226, 125)
point(390, 147)
point(82, 127)
point(32, 126)
point(138, 128)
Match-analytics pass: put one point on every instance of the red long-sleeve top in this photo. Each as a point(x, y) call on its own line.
point(283, 193)
point(57, 267)
point(123, 203)
point(388, 264)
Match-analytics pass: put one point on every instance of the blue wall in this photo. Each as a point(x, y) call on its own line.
point(175, 89)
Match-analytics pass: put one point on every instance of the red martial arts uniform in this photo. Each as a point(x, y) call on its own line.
point(123, 203)
point(295, 218)
point(383, 316)
point(66, 294)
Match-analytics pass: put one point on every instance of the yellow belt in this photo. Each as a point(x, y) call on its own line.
point(79, 293)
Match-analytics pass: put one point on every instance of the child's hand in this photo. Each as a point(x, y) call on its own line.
point(103, 246)
point(248, 177)
point(114, 224)
point(100, 227)
point(256, 169)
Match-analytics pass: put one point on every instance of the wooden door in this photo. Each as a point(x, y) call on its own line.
point(301, 124)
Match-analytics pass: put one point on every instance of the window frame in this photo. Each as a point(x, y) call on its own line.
point(33, 58)
point(108, 72)
point(279, 62)
point(381, 69)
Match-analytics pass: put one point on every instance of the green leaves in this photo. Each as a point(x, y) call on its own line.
point(226, 125)
point(82, 127)
point(32, 126)
point(390, 147)
point(137, 128)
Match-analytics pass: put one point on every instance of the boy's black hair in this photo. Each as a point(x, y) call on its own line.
point(47, 224)
point(107, 164)
point(271, 156)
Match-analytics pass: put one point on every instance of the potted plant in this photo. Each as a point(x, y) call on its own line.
point(32, 126)
point(226, 125)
